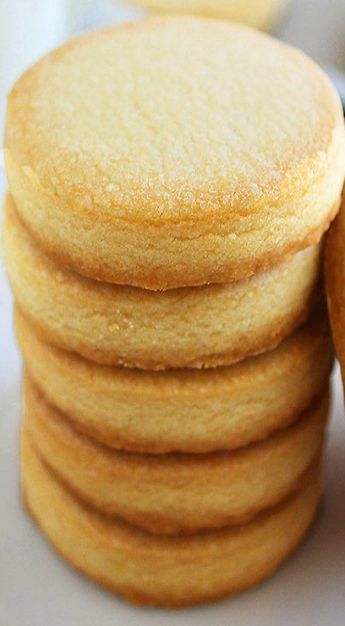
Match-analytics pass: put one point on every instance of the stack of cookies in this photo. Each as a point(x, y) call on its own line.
point(170, 182)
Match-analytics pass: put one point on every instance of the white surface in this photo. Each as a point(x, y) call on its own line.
point(37, 589)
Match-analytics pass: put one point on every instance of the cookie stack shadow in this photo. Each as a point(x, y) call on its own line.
point(172, 440)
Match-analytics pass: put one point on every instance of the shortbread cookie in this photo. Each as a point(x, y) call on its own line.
point(165, 571)
point(183, 410)
point(156, 154)
point(258, 13)
point(335, 280)
point(190, 327)
point(169, 494)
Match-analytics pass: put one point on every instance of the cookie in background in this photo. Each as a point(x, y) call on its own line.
point(261, 14)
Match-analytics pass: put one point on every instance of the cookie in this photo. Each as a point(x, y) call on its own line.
point(257, 13)
point(176, 493)
point(183, 410)
point(165, 571)
point(187, 327)
point(335, 281)
point(156, 154)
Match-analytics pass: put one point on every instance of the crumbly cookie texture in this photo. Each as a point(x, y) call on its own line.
point(158, 154)
point(183, 410)
point(188, 327)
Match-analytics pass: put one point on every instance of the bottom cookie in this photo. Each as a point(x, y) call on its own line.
point(165, 571)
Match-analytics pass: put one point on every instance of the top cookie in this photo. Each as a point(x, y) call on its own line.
point(258, 13)
point(174, 152)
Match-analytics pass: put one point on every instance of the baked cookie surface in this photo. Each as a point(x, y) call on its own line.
point(187, 327)
point(165, 571)
point(183, 410)
point(156, 154)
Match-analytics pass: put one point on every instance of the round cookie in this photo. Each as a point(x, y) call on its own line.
point(256, 13)
point(187, 327)
point(156, 154)
point(183, 410)
point(335, 282)
point(177, 571)
point(175, 493)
